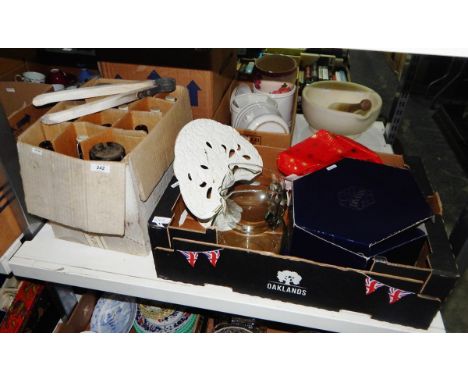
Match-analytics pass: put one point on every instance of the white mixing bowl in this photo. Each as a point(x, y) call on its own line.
point(319, 96)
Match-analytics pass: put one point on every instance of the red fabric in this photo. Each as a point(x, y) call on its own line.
point(322, 150)
point(22, 306)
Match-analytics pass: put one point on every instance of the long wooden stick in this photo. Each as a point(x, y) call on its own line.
point(92, 91)
point(91, 107)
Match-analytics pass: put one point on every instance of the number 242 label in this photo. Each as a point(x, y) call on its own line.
point(105, 168)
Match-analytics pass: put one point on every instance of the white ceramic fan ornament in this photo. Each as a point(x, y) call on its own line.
point(206, 151)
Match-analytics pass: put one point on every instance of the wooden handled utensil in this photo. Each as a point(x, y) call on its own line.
point(358, 108)
point(118, 94)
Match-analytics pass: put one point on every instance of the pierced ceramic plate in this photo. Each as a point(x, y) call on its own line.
point(204, 151)
point(113, 314)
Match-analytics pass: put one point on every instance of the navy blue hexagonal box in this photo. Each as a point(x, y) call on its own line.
point(352, 211)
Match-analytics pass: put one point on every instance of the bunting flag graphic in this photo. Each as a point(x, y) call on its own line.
point(190, 256)
point(395, 294)
point(372, 285)
point(213, 256)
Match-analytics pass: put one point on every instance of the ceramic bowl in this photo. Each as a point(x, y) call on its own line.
point(284, 100)
point(261, 116)
point(241, 89)
point(318, 97)
point(276, 67)
point(242, 100)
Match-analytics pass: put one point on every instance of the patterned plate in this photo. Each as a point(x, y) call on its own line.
point(155, 313)
point(176, 321)
point(189, 325)
point(113, 314)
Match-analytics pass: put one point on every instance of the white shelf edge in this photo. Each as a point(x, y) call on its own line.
point(7, 255)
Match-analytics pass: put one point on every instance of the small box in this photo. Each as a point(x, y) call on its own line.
point(104, 204)
point(16, 99)
point(409, 295)
point(10, 67)
point(352, 211)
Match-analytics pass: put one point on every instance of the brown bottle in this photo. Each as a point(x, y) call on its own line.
point(47, 145)
point(142, 128)
point(107, 151)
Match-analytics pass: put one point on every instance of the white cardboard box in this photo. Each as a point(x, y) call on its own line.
point(102, 207)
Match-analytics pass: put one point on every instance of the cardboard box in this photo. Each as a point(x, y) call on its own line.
point(401, 294)
point(304, 59)
point(223, 115)
point(10, 67)
point(206, 87)
point(73, 71)
point(16, 99)
point(11, 223)
point(103, 204)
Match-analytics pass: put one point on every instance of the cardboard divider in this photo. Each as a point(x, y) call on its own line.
point(66, 142)
point(151, 104)
point(189, 223)
point(64, 137)
point(133, 119)
point(110, 135)
point(105, 118)
point(44, 132)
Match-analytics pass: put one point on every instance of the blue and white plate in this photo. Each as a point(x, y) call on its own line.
point(113, 314)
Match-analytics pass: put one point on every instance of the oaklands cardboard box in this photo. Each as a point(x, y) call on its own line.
point(16, 100)
point(401, 294)
point(223, 115)
point(104, 204)
point(206, 87)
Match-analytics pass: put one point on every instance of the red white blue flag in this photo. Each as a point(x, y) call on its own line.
point(213, 256)
point(395, 294)
point(372, 285)
point(190, 256)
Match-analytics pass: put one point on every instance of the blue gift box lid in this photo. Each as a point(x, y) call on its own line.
point(357, 204)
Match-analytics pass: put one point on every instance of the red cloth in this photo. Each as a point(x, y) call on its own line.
point(321, 150)
point(22, 306)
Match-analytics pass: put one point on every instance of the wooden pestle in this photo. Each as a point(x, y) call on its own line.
point(360, 107)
